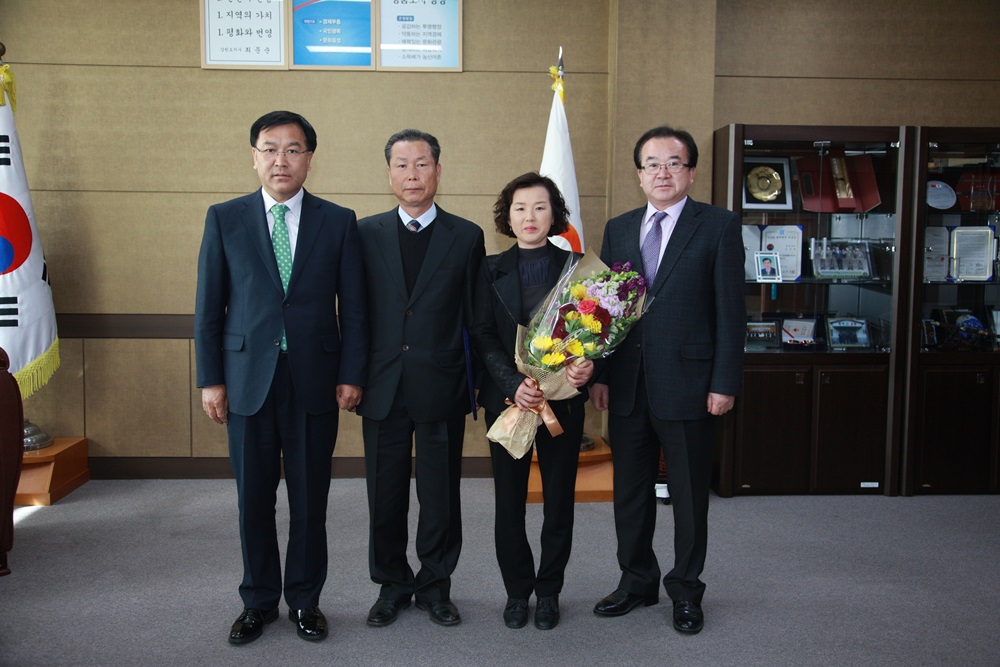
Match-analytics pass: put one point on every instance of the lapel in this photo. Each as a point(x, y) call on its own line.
point(441, 242)
point(679, 238)
point(387, 240)
point(310, 223)
point(507, 284)
point(633, 250)
point(255, 221)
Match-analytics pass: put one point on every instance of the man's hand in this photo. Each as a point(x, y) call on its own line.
point(348, 396)
point(528, 396)
point(215, 403)
point(579, 372)
point(720, 404)
point(599, 396)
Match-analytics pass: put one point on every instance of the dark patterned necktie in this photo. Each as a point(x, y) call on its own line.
point(413, 226)
point(651, 247)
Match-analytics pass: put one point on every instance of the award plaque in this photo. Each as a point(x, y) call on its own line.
point(847, 332)
point(798, 331)
point(972, 253)
point(766, 184)
point(768, 267)
point(940, 195)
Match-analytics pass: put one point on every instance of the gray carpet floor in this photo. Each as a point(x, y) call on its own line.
point(145, 573)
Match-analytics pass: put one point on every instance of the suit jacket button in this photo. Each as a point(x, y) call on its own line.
point(285, 305)
point(405, 347)
point(638, 346)
point(409, 311)
point(277, 343)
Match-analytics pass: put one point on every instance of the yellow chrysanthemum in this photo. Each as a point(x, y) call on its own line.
point(574, 348)
point(578, 291)
point(541, 343)
point(593, 325)
point(554, 359)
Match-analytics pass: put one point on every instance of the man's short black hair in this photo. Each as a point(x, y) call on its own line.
point(276, 118)
point(413, 135)
point(667, 132)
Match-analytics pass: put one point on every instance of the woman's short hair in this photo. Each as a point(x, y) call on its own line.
point(501, 210)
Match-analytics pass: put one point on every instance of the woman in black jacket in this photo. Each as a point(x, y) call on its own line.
point(511, 285)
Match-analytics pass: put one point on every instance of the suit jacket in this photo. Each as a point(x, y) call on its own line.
point(416, 339)
point(690, 340)
point(241, 308)
point(498, 312)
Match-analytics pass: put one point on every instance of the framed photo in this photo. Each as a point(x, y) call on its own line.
point(798, 331)
point(768, 267)
point(847, 332)
point(972, 253)
point(840, 258)
point(762, 335)
point(767, 184)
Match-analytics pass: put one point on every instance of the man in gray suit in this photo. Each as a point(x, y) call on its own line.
point(681, 366)
point(421, 265)
point(280, 331)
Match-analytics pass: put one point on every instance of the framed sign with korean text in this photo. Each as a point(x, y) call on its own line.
point(243, 34)
point(420, 35)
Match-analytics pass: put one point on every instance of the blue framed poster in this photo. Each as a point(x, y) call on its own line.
point(332, 33)
point(420, 35)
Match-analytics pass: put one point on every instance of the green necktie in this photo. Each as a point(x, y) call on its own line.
point(282, 252)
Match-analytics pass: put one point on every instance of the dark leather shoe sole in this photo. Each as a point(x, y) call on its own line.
point(625, 606)
point(438, 615)
point(380, 618)
point(245, 638)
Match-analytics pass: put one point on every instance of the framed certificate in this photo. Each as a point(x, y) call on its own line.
point(936, 254)
point(768, 267)
point(972, 253)
point(786, 241)
point(847, 332)
point(766, 183)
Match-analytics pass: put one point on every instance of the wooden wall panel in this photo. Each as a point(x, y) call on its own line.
point(859, 39)
point(137, 397)
point(58, 407)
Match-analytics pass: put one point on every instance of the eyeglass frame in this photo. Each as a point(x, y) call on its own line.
point(657, 166)
point(273, 153)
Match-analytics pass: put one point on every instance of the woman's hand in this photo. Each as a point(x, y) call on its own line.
point(528, 396)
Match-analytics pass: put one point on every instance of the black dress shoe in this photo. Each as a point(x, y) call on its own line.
point(310, 623)
point(515, 614)
point(385, 611)
point(621, 602)
point(547, 612)
point(688, 617)
point(442, 612)
point(250, 625)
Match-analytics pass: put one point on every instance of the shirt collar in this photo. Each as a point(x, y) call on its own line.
point(294, 204)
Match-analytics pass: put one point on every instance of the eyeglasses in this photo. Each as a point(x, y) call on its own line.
point(272, 154)
point(674, 167)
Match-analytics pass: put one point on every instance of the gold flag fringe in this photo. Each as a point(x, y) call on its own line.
point(558, 85)
point(33, 377)
point(9, 87)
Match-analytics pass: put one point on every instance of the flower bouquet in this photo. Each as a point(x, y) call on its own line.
point(585, 316)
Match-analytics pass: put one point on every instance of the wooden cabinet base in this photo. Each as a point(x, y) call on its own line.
point(593, 476)
point(49, 474)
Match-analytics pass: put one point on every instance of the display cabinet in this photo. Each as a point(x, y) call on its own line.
point(826, 282)
point(954, 385)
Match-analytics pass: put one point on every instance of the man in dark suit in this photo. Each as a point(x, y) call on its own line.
point(421, 265)
point(679, 367)
point(766, 269)
point(281, 341)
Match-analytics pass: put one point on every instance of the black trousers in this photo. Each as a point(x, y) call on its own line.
point(388, 446)
point(256, 445)
point(557, 462)
point(636, 441)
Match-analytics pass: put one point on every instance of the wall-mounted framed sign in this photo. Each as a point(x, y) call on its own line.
point(243, 34)
point(333, 34)
point(420, 35)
